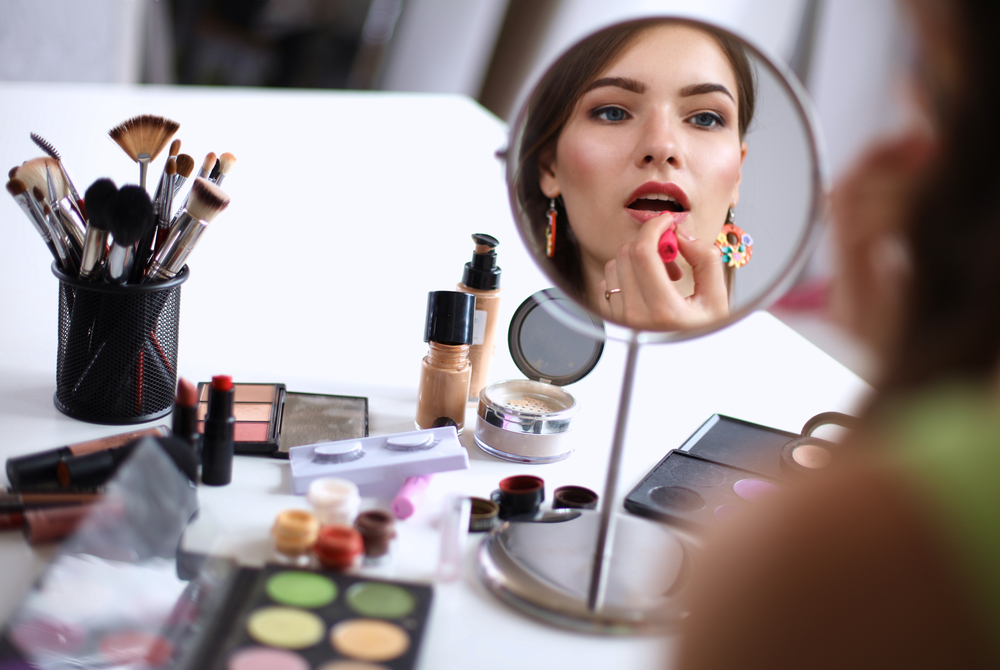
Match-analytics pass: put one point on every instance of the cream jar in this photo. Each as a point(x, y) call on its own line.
point(526, 420)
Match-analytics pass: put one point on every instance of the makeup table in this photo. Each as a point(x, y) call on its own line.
point(347, 208)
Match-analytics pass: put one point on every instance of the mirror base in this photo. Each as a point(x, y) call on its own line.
point(543, 569)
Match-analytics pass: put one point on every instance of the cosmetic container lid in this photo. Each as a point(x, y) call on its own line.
point(481, 272)
point(450, 317)
point(544, 347)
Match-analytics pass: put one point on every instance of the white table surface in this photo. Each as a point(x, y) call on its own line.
point(347, 208)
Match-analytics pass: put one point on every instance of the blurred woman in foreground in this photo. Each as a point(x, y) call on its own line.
point(891, 558)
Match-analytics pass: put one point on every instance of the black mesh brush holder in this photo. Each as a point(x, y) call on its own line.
point(117, 358)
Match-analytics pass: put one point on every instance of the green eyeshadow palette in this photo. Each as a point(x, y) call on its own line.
point(287, 619)
point(270, 420)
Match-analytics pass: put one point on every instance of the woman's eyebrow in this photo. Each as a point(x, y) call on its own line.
point(702, 89)
point(628, 84)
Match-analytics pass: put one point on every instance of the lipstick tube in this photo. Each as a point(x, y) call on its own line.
point(217, 443)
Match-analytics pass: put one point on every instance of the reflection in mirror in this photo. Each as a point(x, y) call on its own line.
point(664, 174)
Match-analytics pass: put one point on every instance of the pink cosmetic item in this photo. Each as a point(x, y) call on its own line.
point(379, 465)
point(667, 246)
point(409, 496)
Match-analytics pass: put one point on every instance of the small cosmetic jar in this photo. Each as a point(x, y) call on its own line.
point(378, 529)
point(553, 343)
point(294, 533)
point(339, 547)
point(336, 500)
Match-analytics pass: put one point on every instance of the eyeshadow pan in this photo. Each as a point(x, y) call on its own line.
point(350, 665)
point(812, 456)
point(285, 627)
point(252, 411)
point(380, 600)
point(676, 498)
point(301, 589)
point(753, 489)
point(250, 432)
point(254, 392)
point(262, 658)
point(369, 639)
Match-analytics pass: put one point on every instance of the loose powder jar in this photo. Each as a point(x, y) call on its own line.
point(525, 420)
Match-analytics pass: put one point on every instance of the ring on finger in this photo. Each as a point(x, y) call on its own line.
point(609, 292)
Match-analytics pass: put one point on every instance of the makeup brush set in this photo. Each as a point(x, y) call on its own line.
point(120, 259)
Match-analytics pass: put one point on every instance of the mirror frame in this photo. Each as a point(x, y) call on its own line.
point(807, 241)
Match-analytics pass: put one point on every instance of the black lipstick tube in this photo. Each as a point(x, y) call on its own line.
point(217, 444)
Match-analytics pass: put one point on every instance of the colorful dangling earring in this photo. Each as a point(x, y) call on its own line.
point(550, 230)
point(735, 245)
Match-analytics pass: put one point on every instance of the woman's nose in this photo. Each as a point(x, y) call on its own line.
point(659, 143)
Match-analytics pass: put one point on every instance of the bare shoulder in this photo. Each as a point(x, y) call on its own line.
point(846, 570)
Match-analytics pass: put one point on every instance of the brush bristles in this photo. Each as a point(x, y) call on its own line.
point(206, 200)
point(45, 146)
point(185, 165)
point(32, 173)
point(144, 134)
point(12, 173)
point(171, 168)
point(37, 192)
point(209, 162)
point(175, 148)
point(16, 187)
point(226, 163)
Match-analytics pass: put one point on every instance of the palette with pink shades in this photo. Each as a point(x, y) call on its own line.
point(726, 464)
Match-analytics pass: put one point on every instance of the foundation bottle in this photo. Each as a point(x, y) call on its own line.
point(481, 278)
point(445, 371)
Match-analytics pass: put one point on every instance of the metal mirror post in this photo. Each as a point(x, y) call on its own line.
point(644, 128)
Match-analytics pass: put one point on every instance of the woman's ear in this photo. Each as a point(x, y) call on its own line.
point(547, 179)
point(739, 176)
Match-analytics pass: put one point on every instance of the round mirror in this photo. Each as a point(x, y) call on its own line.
point(666, 175)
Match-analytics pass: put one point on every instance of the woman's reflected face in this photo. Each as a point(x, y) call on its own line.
point(656, 130)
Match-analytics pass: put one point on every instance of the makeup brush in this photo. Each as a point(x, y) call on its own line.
point(204, 203)
point(142, 138)
point(98, 200)
point(67, 213)
point(226, 163)
point(162, 205)
point(33, 174)
point(175, 148)
point(185, 166)
point(54, 155)
point(19, 191)
point(130, 218)
point(208, 165)
point(12, 173)
point(64, 247)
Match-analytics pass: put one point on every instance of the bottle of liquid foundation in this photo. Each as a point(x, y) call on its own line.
point(482, 279)
point(445, 371)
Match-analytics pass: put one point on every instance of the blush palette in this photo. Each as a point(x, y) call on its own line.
point(270, 420)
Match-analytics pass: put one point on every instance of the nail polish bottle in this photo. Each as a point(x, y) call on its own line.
point(481, 278)
point(445, 371)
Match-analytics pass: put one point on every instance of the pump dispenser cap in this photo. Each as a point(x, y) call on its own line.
point(450, 317)
point(482, 273)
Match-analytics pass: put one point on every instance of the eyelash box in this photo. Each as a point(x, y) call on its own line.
point(379, 465)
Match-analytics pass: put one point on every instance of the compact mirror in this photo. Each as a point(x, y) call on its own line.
point(651, 124)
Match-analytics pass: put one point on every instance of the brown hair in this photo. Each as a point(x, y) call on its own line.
point(550, 107)
point(950, 327)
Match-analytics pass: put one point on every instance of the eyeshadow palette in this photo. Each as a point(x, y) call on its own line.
point(693, 491)
point(286, 619)
point(270, 420)
point(739, 443)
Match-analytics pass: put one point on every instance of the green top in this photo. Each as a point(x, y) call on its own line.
point(949, 442)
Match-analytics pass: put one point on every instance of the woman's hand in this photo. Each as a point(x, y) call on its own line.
point(648, 298)
point(869, 207)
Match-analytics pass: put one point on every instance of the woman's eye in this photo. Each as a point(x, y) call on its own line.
point(610, 114)
point(707, 120)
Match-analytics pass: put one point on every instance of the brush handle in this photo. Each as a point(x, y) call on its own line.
point(143, 161)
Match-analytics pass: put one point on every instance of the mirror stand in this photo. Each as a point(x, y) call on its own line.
point(593, 571)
